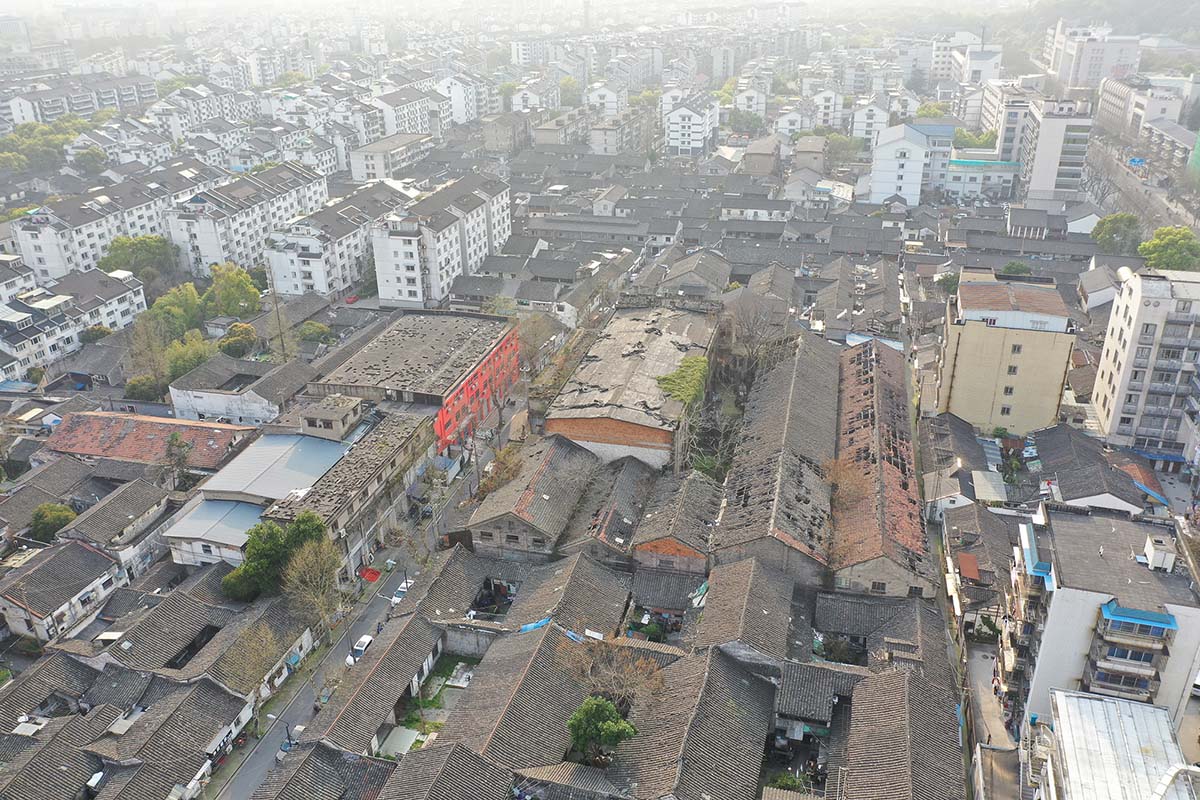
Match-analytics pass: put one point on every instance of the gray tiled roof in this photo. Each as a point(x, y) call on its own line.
point(701, 736)
point(318, 771)
point(447, 771)
point(903, 740)
point(53, 577)
point(106, 523)
point(810, 691)
point(683, 507)
point(747, 603)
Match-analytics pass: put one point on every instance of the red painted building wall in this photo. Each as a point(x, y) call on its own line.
point(479, 393)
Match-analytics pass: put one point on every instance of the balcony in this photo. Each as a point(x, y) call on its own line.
point(1153, 433)
point(1129, 408)
point(1177, 316)
point(1129, 639)
point(1169, 364)
point(1163, 388)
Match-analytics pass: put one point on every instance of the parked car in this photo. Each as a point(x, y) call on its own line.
point(402, 591)
point(360, 647)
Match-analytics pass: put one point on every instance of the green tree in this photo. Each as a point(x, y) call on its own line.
point(507, 90)
point(1016, 268)
point(91, 162)
point(240, 339)
point(569, 93)
point(268, 550)
point(933, 110)
point(1173, 247)
point(137, 254)
point(184, 355)
point(839, 151)
point(313, 331)
point(984, 139)
point(14, 213)
point(147, 345)
point(259, 276)
point(647, 99)
point(49, 519)
point(35, 374)
point(596, 728)
point(497, 58)
point(13, 162)
point(289, 79)
point(144, 387)
point(1118, 235)
point(232, 293)
point(172, 85)
point(745, 121)
point(263, 167)
point(94, 334)
point(948, 282)
point(239, 585)
point(179, 310)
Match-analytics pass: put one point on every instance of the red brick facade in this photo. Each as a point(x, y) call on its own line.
point(479, 393)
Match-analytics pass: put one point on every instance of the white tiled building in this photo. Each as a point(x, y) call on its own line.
point(74, 233)
point(326, 252)
point(232, 222)
point(419, 254)
point(691, 126)
point(609, 99)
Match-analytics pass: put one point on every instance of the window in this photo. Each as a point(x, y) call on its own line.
point(512, 538)
point(1126, 421)
point(486, 536)
point(1006, 411)
point(1142, 352)
point(1183, 306)
point(1008, 391)
point(1148, 328)
point(915, 591)
point(538, 541)
point(841, 583)
point(1012, 369)
point(989, 321)
point(206, 549)
point(1016, 349)
point(878, 587)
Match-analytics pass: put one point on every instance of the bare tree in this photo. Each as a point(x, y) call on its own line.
point(252, 657)
point(620, 674)
point(1099, 181)
point(310, 582)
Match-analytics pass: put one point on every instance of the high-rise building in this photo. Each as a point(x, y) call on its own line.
point(1146, 379)
point(1005, 353)
point(1080, 56)
point(1054, 145)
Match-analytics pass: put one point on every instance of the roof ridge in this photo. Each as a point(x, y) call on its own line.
point(687, 729)
point(544, 632)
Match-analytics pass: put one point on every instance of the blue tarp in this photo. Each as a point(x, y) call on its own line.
point(1153, 493)
point(1160, 456)
point(533, 626)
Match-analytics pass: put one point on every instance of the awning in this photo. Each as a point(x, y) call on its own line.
point(1112, 611)
point(1153, 456)
point(1153, 494)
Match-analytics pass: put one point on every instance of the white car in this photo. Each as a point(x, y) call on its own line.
point(360, 647)
point(402, 591)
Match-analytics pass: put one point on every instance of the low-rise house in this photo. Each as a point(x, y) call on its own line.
point(237, 391)
point(524, 518)
point(58, 589)
point(746, 611)
point(125, 525)
point(674, 530)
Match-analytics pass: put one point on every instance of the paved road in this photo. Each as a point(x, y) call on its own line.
point(300, 710)
point(989, 717)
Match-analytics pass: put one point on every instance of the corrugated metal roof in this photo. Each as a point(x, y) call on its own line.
point(1112, 749)
point(275, 464)
point(219, 521)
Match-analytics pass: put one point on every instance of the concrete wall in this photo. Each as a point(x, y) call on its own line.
point(613, 439)
point(469, 642)
point(1065, 642)
point(244, 408)
point(896, 578)
point(779, 556)
point(499, 545)
point(1181, 666)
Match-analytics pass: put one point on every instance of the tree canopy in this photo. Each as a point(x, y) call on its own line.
point(933, 110)
point(268, 550)
point(1118, 235)
point(179, 310)
point(1174, 247)
point(597, 727)
point(1016, 268)
point(139, 253)
point(48, 520)
point(239, 340)
point(94, 334)
point(289, 79)
point(232, 293)
point(184, 355)
point(569, 93)
point(984, 139)
point(40, 146)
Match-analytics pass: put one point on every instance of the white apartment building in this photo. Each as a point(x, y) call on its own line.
point(232, 222)
point(829, 109)
point(528, 52)
point(867, 120)
point(690, 128)
point(941, 63)
point(74, 233)
point(42, 325)
point(910, 158)
point(411, 111)
point(1125, 105)
point(420, 253)
point(1146, 381)
point(608, 99)
point(123, 141)
point(1054, 145)
point(82, 97)
point(388, 157)
point(1005, 105)
point(183, 110)
point(630, 132)
point(326, 252)
point(470, 97)
point(976, 65)
point(1080, 56)
point(541, 94)
point(751, 100)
